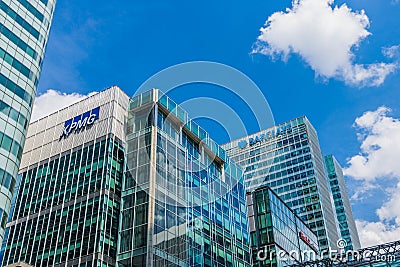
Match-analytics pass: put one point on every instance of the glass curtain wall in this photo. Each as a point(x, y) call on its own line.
point(177, 208)
point(67, 208)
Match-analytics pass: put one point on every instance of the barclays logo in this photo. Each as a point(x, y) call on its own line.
point(242, 144)
point(80, 122)
point(265, 136)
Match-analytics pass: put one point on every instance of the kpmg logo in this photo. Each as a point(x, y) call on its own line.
point(80, 122)
point(265, 136)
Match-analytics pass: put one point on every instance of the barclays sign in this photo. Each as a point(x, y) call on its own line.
point(265, 136)
point(80, 122)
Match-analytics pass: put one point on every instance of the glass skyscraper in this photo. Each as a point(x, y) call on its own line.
point(287, 158)
point(110, 181)
point(278, 236)
point(183, 200)
point(24, 28)
point(344, 214)
point(68, 201)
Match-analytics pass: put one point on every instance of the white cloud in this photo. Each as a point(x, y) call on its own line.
point(363, 192)
point(375, 165)
point(390, 210)
point(391, 52)
point(324, 37)
point(380, 147)
point(374, 233)
point(53, 100)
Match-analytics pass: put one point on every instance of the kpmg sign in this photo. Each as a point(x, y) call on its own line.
point(80, 122)
point(265, 136)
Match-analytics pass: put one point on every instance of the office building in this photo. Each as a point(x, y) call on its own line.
point(183, 200)
point(103, 186)
point(344, 214)
point(68, 202)
point(287, 158)
point(24, 28)
point(278, 236)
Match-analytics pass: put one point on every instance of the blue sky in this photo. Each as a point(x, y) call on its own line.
point(94, 46)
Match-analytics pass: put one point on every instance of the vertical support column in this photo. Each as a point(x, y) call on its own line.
point(223, 172)
point(155, 109)
point(152, 192)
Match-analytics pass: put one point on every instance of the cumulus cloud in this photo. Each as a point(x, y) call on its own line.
point(53, 100)
point(375, 165)
point(380, 147)
point(325, 37)
point(374, 233)
point(363, 192)
point(390, 210)
point(392, 51)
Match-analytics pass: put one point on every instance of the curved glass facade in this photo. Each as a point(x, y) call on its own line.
point(24, 30)
point(183, 200)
